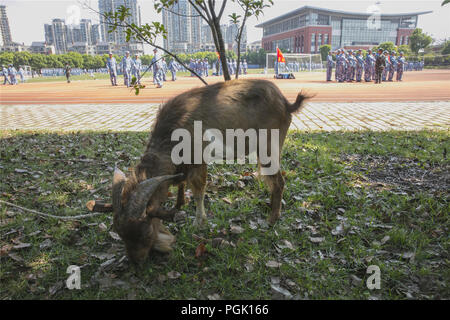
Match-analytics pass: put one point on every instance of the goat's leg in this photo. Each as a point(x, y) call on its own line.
point(164, 239)
point(181, 201)
point(276, 186)
point(197, 179)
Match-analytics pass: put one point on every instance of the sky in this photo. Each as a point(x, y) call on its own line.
point(27, 17)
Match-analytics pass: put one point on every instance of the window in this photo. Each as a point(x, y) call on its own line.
point(313, 42)
point(302, 20)
point(325, 41)
point(313, 18)
point(408, 22)
point(323, 20)
point(357, 32)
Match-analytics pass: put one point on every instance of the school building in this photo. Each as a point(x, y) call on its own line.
point(304, 30)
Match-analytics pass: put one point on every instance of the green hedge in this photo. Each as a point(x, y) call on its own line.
point(39, 61)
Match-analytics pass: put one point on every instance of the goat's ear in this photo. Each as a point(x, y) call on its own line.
point(119, 179)
point(119, 176)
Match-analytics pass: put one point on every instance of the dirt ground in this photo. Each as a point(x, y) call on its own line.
point(427, 85)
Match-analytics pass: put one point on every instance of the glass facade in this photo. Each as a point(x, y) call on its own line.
point(346, 30)
point(285, 44)
point(335, 32)
point(310, 19)
point(357, 32)
point(409, 22)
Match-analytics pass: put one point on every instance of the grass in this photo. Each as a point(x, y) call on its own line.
point(352, 199)
point(98, 76)
point(103, 76)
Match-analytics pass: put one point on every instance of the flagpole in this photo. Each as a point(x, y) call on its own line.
point(278, 64)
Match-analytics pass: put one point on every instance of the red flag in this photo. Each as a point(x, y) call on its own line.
point(280, 57)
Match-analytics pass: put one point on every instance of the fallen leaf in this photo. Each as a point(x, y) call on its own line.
point(173, 275)
point(280, 292)
point(22, 246)
point(107, 263)
point(248, 267)
point(16, 257)
point(102, 227)
point(408, 255)
point(275, 280)
point(273, 264)
point(286, 244)
point(236, 229)
point(385, 239)
point(291, 283)
point(253, 225)
point(114, 235)
point(338, 230)
point(219, 243)
point(355, 280)
point(316, 239)
point(200, 251)
point(103, 256)
point(214, 296)
point(4, 250)
point(45, 244)
point(55, 288)
point(227, 200)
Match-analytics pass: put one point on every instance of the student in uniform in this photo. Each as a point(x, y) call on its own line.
point(157, 69)
point(5, 75)
point(111, 65)
point(67, 71)
point(126, 69)
point(359, 66)
point(380, 65)
point(392, 67)
point(400, 66)
point(330, 64)
point(173, 68)
point(136, 66)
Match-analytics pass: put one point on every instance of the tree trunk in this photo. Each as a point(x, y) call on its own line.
point(222, 51)
point(239, 40)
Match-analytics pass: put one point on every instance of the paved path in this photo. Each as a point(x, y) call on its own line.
point(316, 116)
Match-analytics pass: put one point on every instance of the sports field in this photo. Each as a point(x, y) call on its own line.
point(427, 85)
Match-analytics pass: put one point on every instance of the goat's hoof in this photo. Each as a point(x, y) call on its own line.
point(272, 221)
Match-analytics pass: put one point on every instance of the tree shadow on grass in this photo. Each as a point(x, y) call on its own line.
point(332, 194)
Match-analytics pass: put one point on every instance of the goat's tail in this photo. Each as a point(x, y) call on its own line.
point(299, 103)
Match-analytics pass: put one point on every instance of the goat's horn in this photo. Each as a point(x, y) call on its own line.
point(145, 190)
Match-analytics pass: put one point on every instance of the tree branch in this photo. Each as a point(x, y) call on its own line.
point(143, 38)
point(222, 9)
point(182, 15)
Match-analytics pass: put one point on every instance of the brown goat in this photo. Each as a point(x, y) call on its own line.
point(237, 104)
